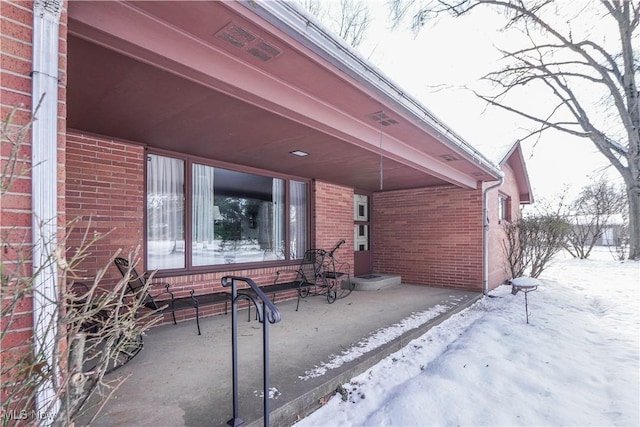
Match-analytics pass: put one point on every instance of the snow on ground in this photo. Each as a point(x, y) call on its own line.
point(576, 363)
point(376, 340)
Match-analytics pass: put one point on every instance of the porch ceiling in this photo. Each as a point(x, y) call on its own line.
point(166, 75)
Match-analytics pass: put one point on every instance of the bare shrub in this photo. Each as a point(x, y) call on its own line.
point(95, 326)
point(531, 242)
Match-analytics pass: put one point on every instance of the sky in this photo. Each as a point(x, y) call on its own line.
point(576, 363)
point(435, 66)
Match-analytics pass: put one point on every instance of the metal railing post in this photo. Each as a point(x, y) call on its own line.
point(267, 313)
point(236, 420)
point(265, 370)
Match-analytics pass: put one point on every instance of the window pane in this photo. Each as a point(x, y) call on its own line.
point(279, 209)
point(360, 207)
point(237, 217)
point(165, 213)
point(298, 219)
point(361, 237)
point(503, 208)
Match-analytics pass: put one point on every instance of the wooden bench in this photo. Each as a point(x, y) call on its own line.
point(164, 301)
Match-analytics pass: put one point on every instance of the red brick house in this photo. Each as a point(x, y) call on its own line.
point(228, 137)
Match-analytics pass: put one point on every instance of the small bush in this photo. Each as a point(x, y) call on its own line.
point(531, 242)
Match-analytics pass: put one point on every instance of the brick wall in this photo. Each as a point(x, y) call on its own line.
point(334, 219)
point(498, 269)
point(429, 236)
point(105, 197)
point(15, 205)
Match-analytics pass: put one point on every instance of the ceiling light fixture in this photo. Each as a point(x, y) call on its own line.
point(299, 153)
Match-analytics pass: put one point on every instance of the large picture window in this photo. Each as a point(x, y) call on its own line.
point(235, 217)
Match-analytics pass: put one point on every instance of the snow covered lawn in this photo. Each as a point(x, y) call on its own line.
point(575, 363)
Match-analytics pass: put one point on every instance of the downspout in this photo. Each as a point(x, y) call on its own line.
point(44, 181)
point(485, 234)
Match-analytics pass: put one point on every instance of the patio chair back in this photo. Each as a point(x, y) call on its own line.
point(135, 282)
point(311, 267)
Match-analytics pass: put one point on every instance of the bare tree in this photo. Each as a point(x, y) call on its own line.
point(591, 215)
point(591, 74)
point(314, 7)
point(350, 22)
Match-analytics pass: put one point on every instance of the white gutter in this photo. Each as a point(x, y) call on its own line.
point(310, 32)
point(485, 234)
point(44, 181)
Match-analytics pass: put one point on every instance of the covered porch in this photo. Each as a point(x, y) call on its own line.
point(182, 379)
point(164, 100)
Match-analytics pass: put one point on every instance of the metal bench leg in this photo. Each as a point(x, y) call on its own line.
point(173, 313)
point(198, 319)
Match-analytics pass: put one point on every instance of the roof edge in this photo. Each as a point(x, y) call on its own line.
point(516, 150)
point(314, 35)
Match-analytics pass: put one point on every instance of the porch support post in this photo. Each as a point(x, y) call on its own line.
point(44, 181)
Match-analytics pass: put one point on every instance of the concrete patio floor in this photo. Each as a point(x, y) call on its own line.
point(182, 379)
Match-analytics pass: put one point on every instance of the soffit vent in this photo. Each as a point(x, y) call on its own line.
point(382, 118)
point(250, 43)
point(449, 157)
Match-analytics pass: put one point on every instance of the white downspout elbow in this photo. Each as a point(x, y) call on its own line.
point(485, 235)
point(44, 182)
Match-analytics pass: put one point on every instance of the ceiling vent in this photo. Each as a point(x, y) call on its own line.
point(449, 157)
point(250, 43)
point(382, 118)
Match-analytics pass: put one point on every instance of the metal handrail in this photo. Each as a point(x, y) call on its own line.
point(266, 310)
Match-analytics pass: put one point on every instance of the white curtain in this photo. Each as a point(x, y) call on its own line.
point(203, 212)
point(265, 230)
point(165, 212)
point(278, 217)
point(298, 219)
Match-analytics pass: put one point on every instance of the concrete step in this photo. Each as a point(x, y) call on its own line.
point(375, 281)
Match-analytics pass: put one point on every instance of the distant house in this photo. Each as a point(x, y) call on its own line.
point(615, 232)
point(611, 228)
point(228, 137)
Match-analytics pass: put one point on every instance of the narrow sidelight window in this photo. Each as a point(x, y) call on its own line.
point(165, 213)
